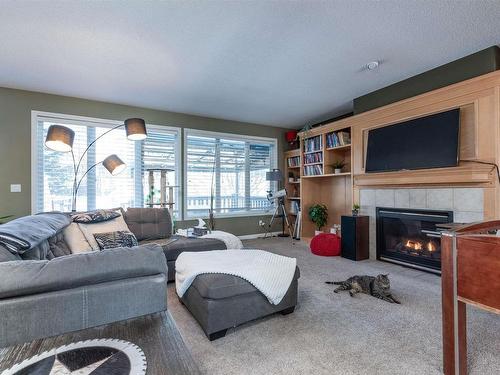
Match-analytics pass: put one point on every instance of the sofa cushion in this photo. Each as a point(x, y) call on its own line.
point(175, 245)
point(219, 286)
point(31, 277)
point(75, 239)
point(112, 225)
point(94, 216)
point(57, 246)
point(149, 223)
point(120, 238)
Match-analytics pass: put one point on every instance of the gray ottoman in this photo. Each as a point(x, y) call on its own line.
point(219, 302)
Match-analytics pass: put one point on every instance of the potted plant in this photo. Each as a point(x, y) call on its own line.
point(338, 165)
point(355, 209)
point(319, 216)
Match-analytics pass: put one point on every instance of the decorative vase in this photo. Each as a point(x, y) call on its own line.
point(291, 179)
point(355, 212)
point(333, 230)
point(316, 232)
point(338, 170)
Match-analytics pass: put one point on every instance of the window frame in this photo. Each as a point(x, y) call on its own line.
point(36, 116)
point(231, 136)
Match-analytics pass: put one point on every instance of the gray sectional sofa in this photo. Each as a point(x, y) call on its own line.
point(154, 226)
point(46, 290)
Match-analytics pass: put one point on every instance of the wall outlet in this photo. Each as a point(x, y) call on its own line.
point(15, 188)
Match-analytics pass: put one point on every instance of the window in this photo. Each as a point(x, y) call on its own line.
point(53, 171)
point(232, 167)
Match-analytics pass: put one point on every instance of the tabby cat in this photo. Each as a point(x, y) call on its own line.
point(376, 286)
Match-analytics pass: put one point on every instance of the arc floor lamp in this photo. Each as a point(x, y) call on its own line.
point(60, 138)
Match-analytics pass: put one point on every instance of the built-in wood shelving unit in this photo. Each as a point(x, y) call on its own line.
point(479, 102)
point(329, 175)
point(293, 183)
point(319, 182)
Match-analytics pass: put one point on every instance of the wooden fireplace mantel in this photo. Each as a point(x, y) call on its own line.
point(465, 175)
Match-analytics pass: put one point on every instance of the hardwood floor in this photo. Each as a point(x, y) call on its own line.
point(155, 334)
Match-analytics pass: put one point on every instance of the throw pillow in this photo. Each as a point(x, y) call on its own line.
point(75, 239)
point(149, 223)
point(113, 225)
point(95, 216)
point(119, 238)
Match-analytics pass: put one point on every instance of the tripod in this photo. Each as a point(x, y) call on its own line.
point(280, 207)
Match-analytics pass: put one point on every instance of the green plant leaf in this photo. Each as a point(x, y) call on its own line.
point(318, 214)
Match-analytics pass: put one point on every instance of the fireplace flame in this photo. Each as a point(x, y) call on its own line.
point(415, 245)
point(418, 246)
point(431, 246)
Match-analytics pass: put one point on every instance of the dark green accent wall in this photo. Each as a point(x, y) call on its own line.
point(15, 142)
point(479, 63)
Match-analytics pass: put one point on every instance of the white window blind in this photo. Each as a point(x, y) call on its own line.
point(233, 167)
point(53, 171)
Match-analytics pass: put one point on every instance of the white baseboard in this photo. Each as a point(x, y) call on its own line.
point(257, 235)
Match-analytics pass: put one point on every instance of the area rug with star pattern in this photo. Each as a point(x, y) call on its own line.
point(91, 357)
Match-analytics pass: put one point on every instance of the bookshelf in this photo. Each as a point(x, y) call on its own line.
point(313, 156)
point(320, 149)
point(338, 148)
point(293, 165)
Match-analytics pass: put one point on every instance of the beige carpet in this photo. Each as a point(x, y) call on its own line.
point(335, 334)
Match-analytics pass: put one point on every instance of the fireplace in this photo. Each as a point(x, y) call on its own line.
point(411, 237)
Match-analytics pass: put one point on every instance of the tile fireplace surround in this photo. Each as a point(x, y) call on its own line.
point(466, 204)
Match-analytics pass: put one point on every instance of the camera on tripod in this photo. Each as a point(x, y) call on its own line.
point(278, 199)
point(271, 196)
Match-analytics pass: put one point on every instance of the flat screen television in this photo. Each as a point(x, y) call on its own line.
point(426, 142)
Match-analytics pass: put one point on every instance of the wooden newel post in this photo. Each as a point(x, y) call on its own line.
point(453, 310)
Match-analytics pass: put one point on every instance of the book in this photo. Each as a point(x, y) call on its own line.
point(313, 144)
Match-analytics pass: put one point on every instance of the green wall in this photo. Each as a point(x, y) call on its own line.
point(477, 64)
point(15, 142)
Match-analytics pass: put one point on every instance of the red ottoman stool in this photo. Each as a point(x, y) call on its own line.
point(326, 244)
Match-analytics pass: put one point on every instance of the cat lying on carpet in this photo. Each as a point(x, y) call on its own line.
point(376, 286)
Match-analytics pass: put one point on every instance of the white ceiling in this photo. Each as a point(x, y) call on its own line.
point(282, 63)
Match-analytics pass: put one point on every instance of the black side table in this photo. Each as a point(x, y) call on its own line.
point(355, 237)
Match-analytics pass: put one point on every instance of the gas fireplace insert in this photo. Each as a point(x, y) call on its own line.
point(411, 237)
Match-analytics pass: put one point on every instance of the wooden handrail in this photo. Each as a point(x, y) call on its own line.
point(470, 259)
point(478, 228)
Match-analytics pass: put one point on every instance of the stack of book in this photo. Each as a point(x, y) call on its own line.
point(337, 139)
point(294, 161)
point(313, 144)
point(313, 170)
point(313, 158)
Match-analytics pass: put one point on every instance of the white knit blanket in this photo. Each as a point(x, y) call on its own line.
point(271, 274)
point(231, 241)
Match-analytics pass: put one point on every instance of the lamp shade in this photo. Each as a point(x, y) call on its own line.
point(60, 138)
point(114, 164)
point(136, 129)
point(274, 175)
